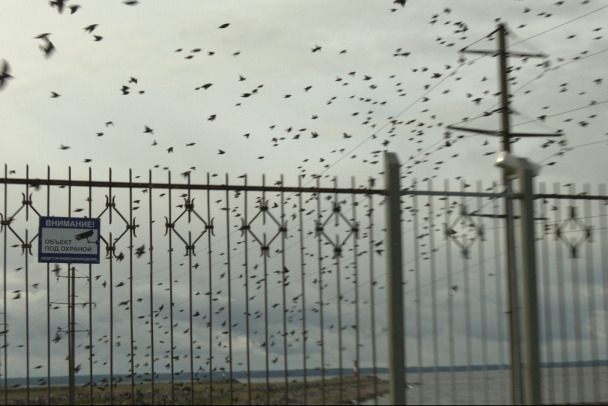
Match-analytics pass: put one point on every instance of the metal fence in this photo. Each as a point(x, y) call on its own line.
point(223, 292)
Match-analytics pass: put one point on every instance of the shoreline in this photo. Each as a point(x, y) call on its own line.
point(351, 391)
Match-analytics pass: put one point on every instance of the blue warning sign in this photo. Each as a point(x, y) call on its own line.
point(68, 240)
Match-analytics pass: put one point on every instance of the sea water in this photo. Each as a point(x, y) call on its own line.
point(559, 385)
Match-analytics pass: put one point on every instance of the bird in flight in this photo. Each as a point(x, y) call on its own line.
point(59, 4)
point(4, 73)
point(48, 48)
point(90, 28)
point(43, 36)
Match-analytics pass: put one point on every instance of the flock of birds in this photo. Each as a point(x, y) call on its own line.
point(376, 131)
point(383, 133)
point(370, 97)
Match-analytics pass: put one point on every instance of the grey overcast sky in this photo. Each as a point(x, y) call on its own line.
point(298, 87)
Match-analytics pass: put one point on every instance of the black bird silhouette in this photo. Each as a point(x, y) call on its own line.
point(4, 73)
point(90, 28)
point(59, 4)
point(140, 251)
point(48, 48)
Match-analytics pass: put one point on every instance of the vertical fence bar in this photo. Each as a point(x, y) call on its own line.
point(546, 296)
point(190, 324)
point(27, 319)
point(71, 335)
point(90, 332)
point(532, 382)
point(48, 301)
point(577, 315)
point(189, 250)
point(603, 240)
point(320, 282)
point(71, 308)
point(356, 282)
point(169, 226)
point(337, 256)
point(339, 307)
point(418, 319)
point(303, 292)
point(372, 284)
point(26, 290)
point(451, 289)
point(131, 331)
point(110, 202)
point(394, 278)
point(482, 299)
point(418, 302)
point(467, 301)
point(433, 272)
point(151, 292)
point(284, 276)
point(190, 313)
point(247, 315)
point(228, 266)
point(210, 281)
point(563, 324)
point(591, 293)
point(264, 208)
point(4, 277)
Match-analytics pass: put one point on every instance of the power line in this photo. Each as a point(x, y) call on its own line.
point(559, 25)
point(458, 67)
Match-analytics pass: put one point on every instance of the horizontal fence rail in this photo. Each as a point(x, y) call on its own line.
point(205, 293)
point(216, 292)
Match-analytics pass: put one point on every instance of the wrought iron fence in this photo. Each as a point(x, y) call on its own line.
point(222, 292)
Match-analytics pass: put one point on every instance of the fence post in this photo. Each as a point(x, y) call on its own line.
point(532, 385)
point(394, 278)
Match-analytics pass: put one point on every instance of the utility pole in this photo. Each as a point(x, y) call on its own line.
point(506, 135)
point(71, 327)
